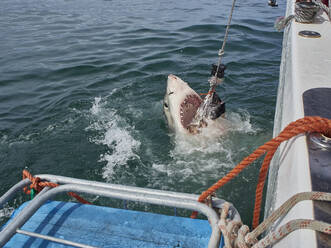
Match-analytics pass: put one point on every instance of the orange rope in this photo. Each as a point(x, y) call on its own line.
point(306, 124)
point(209, 93)
point(38, 185)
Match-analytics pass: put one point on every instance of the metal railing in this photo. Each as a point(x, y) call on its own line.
point(143, 195)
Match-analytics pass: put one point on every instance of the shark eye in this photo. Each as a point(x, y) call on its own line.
point(170, 93)
point(165, 105)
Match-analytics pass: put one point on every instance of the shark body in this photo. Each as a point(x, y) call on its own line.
point(181, 104)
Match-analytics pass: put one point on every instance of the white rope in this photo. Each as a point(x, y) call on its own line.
point(303, 13)
point(213, 81)
point(291, 226)
point(325, 8)
point(221, 51)
point(237, 235)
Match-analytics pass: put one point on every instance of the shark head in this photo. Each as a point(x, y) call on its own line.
point(180, 104)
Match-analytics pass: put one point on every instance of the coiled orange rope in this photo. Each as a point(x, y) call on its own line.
point(38, 185)
point(306, 124)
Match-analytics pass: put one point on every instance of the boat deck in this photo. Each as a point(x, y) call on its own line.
point(109, 227)
point(304, 90)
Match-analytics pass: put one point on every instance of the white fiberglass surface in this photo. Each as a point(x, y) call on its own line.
point(306, 64)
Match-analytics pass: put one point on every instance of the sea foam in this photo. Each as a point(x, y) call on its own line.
point(115, 133)
point(210, 154)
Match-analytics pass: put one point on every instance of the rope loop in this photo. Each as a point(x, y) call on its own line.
point(237, 235)
point(37, 184)
point(303, 125)
point(34, 183)
point(304, 12)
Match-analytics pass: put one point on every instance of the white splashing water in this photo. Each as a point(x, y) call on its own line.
point(194, 156)
point(210, 140)
point(114, 133)
point(6, 211)
point(240, 122)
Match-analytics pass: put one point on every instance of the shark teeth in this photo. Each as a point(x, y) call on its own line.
point(188, 109)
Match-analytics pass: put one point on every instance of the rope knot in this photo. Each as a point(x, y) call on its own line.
point(35, 184)
point(250, 239)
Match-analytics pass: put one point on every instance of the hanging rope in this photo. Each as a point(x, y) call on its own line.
point(37, 185)
point(215, 79)
point(306, 124)
point(221, 52)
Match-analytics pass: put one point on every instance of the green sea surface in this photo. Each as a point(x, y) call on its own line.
point(82, 84)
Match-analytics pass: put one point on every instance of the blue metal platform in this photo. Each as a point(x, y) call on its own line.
point(109, 227)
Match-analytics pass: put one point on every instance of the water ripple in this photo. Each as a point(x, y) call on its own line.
point(57, 57)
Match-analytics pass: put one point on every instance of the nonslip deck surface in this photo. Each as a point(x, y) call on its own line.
point(317, 102)
point(109, 227)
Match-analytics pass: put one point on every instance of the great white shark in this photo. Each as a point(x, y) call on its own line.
point(181, 104)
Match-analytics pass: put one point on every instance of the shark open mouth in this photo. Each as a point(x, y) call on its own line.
point(188, 109)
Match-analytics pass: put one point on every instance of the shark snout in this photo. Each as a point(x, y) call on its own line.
point(171, 76)
point(172, 83)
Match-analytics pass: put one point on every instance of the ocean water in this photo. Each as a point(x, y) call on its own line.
point(82, 84)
